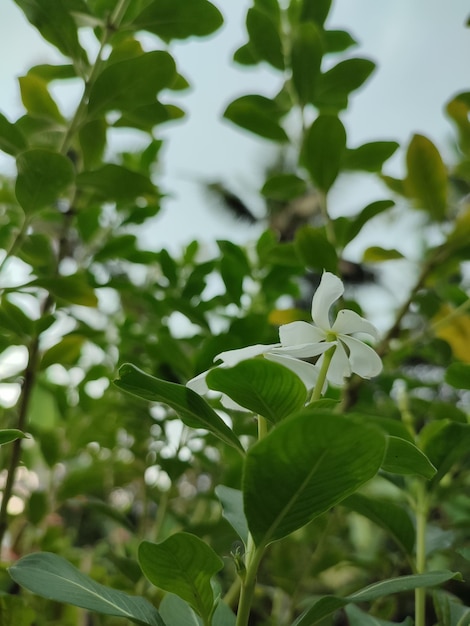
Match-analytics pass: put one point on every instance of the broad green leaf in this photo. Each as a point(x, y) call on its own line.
point(134, 82)
point(390, 516)
point(403, 457)
point(329, 604)
point(36, 98)
point(66, 352)
point(232, 509)
point(449, 609)
point(7, 435)
point(49, 73)
point(314, 249)
point(315, 11)
point(92, 137)
point(323, 150)
point(179, 19)
point(265, 40)
point(54, 21)
point(337, 83)
point(114, 182)
point(73, 289)
point(355, 224)
point(445, 443)
point(15, 320)
point(191, 408)
point(176, 612)
point(305, 466)
point(282, 187)
point(43, 177)
point(259, 115)
point(376, 254)
point(370, 157)
point(50, 576)
point(306, 56)
point(43, 410)
point(37, 250)
point(356, 617)
point(262, 386)
point(458, 375)
point(150, 115)
point(184, 565)
point(427, 177)
point(12, 140)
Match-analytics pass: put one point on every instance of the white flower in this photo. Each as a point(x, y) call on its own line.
point(302, 340)
point(307, 372)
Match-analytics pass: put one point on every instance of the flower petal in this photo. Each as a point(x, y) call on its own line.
point(232, 357)
point(364, 360)
point(300, 333)
point(304, 350)
point(329, 290)
point(339, 367)
point(348, 322)
point(307, 372)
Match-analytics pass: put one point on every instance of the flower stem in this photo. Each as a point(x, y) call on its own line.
point(421, 521)
point(253, 558)
point(317, 391)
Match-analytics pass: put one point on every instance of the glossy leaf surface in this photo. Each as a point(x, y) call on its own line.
point(403, 457)
point(323, 150)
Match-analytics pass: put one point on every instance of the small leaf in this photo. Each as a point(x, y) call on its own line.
point(337, 40)
point(315, 11)
point(179, 19)
point(265, 40)
point(376, 254)
point(73, 289)
point(66, 352)
point(323, 150)
point(192, 409)
point(259, 115)
point(306, 56)
point(182, 564)
point(445, 443)
point(114, 182)
point(403, 457)
point(314, 459)
point(12, 140)
point(458, 375)
point(282, 187)
point(7, 435)
point(232, 509)
point(337, 83)
point(43, 176)
point(50, 576)
point(262, 386)
point(92, 137)
point(370, 157)
point(356, 223)
point(314, 249)
point(427, 177)
point(37, 99)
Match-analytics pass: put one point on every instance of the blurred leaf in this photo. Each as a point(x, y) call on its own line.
point(356, 617)
point(179, 19)
point(73, 289)
point(315, 11)
point(43, 176)
point(66, 352)
point(458, 375)
point(114, 182)
point(315, 459)
point(37, 507)
point(134, 82)
point(257, 114)
point(232, 509)
point(306, 57)
point(356, 223)
point(314, 249)
point(148, 116)
point(182, 564)
point(427, 177)
point(245, 55)
point(337, 40)
point(370, 157)
point(455, 330)
point(449, 609)
point(283, 187)
point(14, 319)
point(264, 387)
point(12, 140)
point(337, 83)
point(43, 411)
point(403, 457)
point(191, 408)
point(176, 612)
point(7, 435)
point(37, 250)
point(14, 612)
point(37, 99)
point(92, 137)
point(390, 516)
point(49, 73)
point(323, 150)
point(329, 604)
point(445, 443)
point(265, 40)
point(50, 576)
point(376, 254)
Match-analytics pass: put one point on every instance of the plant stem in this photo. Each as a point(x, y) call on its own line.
point(253, 558)
point(421, 521)
point(317, 391)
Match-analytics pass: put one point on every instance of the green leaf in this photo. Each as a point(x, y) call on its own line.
point(7, 435)
point(323, 149)
point(458, 375)
point(355, 224)
point(191, 408)
point(283, 187)
point(179, 19)
point(356, 617)
point(182, 564)
point(445, 443)
point(305, 466)
point(315, 11)
point(257, 114)
point(134, 82)
point(390, 516)
point(150, 115)
point(43, 177)
point(264, 387)
point(245, 55)
point(314, 249)
point(12, 140)
point(73, 289)
point(15, 320)
point(37, 250)
point(337, 83)
point(306, 56)
point(37, 99)
point(92, 137)
point(329, 604)
point(176, 612)
point(66, 352)
point(114, 182)
point(376, 254)
point(449, 609)
point(338, 40)
point(370, 157)
point(49, 73)
point(427, 177)
point(50, 576)
point(232, 509)
point(54, 21)
point(265, 40)
point(403, 457)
